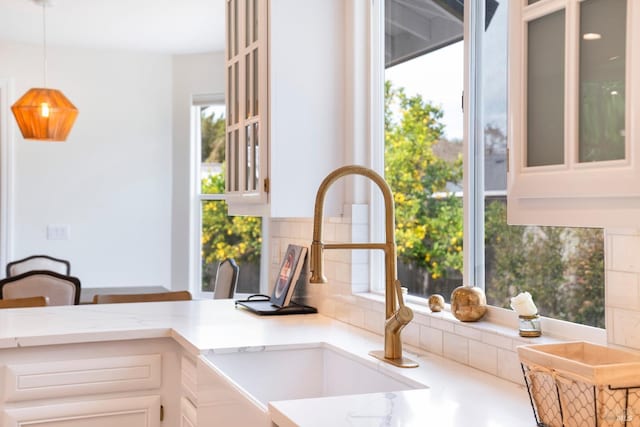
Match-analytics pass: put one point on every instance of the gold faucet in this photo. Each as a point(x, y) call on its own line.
point(397, 314)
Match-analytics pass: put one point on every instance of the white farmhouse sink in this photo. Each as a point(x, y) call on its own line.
point(318, 370)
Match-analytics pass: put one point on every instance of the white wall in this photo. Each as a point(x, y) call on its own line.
point(192, 75)
point(111, 181)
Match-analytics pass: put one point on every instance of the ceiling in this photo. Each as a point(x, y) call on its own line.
point(166, 26)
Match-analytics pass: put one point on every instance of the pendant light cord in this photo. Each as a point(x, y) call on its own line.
point(44, 41)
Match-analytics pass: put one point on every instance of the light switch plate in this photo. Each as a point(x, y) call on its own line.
point(58, 231)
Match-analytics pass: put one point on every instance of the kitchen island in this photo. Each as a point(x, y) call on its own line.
point(165, 339)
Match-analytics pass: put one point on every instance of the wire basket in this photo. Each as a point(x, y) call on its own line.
point(582, 385)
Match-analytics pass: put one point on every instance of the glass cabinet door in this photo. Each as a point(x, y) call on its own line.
point(545, 90)
point(602, 80)
point(245, 69)
point(574, 109)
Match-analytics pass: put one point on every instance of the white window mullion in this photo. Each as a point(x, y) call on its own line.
point(473, 175)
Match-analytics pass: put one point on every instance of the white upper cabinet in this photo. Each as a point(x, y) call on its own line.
point(574, 109)
point(285, 103)
point(246, 94)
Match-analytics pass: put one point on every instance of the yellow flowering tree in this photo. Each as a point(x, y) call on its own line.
point(428, 216)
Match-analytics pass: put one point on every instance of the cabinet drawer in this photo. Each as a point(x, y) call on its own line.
point(43, 380)
point(140, 411)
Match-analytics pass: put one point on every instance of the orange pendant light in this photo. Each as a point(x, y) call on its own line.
point(44, 114)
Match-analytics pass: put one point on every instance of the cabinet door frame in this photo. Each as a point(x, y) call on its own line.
point(247, 67)
point(571, 194)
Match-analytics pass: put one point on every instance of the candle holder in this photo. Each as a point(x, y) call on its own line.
point(529, 326)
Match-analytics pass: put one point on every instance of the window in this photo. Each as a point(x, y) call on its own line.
point(220, 236)
point(423, 141)
point(562, 267)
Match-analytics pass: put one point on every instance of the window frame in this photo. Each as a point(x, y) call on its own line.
point(197, 199)
point(473, 172)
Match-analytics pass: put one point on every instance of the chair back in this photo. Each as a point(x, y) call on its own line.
point(24, 302)
point(151, 297)
point(226, 279)
point(38, 262)
point(60, 289)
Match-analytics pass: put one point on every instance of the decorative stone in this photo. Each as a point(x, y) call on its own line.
point(436, 303)
point(468, 303)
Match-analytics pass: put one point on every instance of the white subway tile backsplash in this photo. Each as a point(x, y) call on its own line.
point(509, 366)
point(374, 321)
point(627, 328)
point(343, 233)
point(483, 356)
point(496, 340)
point(444, 325)
point(360, 233)
point(421, 319)
point(489, 345)
point(360, 214)
point(456, 347)
point(411, 334)
point(622, 290)
point(357, 316)
point(432, 340)
point(467, 331)
point(625, 253)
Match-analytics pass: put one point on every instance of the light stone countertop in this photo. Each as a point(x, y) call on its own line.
point(457, 395)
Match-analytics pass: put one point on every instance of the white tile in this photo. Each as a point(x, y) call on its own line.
point(356, 316)
point(622, 290)
point(509, 366)
point(431, 340)
point(625, 251)
point(328, 232)
point(374, 321)
point(483, 356)
point(411, 334)
point(359, 233)
point(456, 347)
point(359, 214)
point(627, 328)
point(497, 340)
point(444, 325)
point(421, 319)
point(343, 233)
point(467, 331)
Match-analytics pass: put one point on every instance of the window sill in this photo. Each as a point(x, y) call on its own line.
point(499, 321)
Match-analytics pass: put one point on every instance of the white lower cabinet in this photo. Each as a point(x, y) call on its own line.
point(120, 383)
point(189, 414)
point(139, 411)
point(211, 399)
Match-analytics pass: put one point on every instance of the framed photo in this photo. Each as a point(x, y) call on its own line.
point(288, 275)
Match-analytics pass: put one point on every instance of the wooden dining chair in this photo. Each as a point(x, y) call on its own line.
point(24, 302)
point(38, 262)
point(59, 288)
point(151, 297)
point(226, 279)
